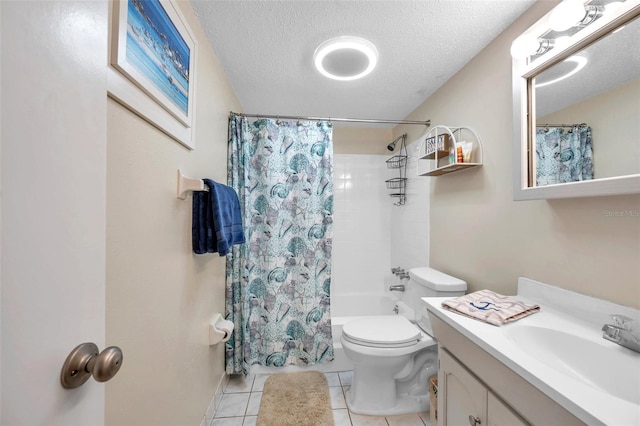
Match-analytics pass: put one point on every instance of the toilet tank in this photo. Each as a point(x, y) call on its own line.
point(428, 282)
point(437, 284)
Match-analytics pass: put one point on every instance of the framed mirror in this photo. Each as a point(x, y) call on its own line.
point(576, 91)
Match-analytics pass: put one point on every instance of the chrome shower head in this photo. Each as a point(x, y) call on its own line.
point(392, 145)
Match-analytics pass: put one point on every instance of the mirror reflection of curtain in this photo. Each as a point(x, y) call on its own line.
point(278, 284)
point(563, 155)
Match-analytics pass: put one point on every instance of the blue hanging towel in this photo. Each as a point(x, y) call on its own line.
point(217, 222)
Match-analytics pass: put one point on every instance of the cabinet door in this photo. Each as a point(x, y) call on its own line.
point(462, 399)
point(500, 414)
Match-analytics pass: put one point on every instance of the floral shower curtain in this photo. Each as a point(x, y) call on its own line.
point(563, 156)
point(278, 284)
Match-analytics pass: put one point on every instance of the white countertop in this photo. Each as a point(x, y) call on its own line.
point(589, 403)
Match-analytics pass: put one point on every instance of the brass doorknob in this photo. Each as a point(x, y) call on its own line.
point(85, 360)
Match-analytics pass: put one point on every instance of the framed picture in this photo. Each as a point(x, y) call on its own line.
point(152, 64)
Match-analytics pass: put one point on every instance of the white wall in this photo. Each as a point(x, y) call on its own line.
point(53, 206)
point(160, 296)
point(362, 224)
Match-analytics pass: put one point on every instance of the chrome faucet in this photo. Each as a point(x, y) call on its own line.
point(397, 271)
point(622, 332)
point(403, 275)
point(399, 287)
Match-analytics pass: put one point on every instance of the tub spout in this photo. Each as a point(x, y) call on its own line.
point(399, 287)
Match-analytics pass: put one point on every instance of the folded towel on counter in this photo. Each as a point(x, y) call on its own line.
point(217, 221)
point(487, 306)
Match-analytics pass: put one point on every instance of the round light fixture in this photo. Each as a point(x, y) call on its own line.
point(579, 61)
point(345, 58)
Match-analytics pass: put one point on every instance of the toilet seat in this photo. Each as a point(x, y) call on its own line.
point(388, 331)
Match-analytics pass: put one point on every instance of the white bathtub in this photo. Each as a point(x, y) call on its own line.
point(354, 304)
point(344, 308)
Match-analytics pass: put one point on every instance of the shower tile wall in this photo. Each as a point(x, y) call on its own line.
point(410, 223)
point(362, 219)
point(370, 234)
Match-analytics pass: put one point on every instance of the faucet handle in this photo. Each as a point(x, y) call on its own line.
point(622, 321)
point(397, 271)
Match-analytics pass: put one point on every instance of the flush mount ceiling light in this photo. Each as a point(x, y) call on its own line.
point(579, 62)
point(345, 58)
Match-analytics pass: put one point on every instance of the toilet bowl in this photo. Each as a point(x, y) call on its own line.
point(394, 355)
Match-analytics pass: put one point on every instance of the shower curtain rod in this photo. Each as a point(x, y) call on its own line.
point(342, 120)
point(561, 125)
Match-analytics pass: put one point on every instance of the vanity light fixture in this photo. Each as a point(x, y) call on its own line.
point(610, 7)
point(566, 15)
point(572, 13)
point(527, 45)
point(524, 46)
point(345, 58)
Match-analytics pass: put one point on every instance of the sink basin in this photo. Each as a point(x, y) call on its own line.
point(594, 362)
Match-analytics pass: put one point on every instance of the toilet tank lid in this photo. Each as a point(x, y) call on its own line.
point(436, 280)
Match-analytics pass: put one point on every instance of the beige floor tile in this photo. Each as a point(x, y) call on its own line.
point(233, 405)
point(239, 383)
point(362, 420)
point(405, 420)
point(341, 417)
point(228, 421)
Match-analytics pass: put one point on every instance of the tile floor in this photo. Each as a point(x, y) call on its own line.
point(241, 401)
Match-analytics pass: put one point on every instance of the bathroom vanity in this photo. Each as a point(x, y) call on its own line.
point(550, 368)
point(467, 398)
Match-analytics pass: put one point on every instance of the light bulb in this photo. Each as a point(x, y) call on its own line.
point(524, 46)
point(566, 15)
point(612, 6)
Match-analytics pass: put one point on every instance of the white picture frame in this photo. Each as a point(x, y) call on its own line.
point(152, 65)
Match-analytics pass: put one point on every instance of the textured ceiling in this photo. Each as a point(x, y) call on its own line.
point(613, 60)
point(266, 49)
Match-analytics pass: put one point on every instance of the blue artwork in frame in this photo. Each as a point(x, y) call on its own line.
point(153, 48)
point(156, 49)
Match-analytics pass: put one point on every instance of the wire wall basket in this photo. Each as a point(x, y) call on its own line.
point(397, 161)
point(396, 183)
point(402, 198)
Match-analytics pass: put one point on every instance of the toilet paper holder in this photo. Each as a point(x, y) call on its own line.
point(220, 330)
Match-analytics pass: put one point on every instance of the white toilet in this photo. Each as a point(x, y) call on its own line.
point(394, 355)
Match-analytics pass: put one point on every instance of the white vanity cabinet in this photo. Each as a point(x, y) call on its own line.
point(471, 382)
point(464, 400)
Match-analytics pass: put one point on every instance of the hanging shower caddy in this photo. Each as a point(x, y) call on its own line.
point(439, 149)
point(399, 184)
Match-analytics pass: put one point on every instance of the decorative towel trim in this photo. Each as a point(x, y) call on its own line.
point(490, 307)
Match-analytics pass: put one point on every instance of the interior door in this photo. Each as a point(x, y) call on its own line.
point(53, 167)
